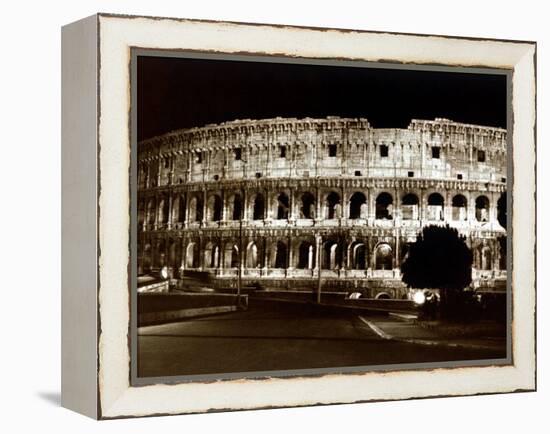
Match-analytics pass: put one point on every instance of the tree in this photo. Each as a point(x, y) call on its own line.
point(440, 259)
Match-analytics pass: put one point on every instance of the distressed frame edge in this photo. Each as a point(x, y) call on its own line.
point(528, 382)
point(79, 272)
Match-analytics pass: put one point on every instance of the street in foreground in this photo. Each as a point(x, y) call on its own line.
point(278, 337)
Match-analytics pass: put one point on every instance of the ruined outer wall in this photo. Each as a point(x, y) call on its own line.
point(196, 185)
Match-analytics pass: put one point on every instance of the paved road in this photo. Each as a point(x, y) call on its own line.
point(271, 337)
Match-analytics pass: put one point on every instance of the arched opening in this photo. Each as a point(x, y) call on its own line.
point(383, 257)
point(281, 255)
point(215, 258)
point(237, 207)
point(178, 209)
point(306, 258)
point(151, 211)
point(195, 209)
point(252, 255)
point(211, 255)
point(384, 206)
point(164, 208)
point(358, 206)
point(332, 255)
point(258, 210)
point(175, 209)
point(358, 256)
point(482, 209)
point(382, 296)
point(460, 208)
point(234, 257)
point(435, 207)
point(409, 207)
point(283, 206)
point(192, 255)
point(333, 207)
point(486, 259)
point(161, 211)
point(215, 208)
point(307, 210)
point(192, 209)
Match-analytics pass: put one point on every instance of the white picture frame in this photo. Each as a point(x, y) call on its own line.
point(96, 131)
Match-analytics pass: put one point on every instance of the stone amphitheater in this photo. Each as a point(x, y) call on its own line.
point(288, 202)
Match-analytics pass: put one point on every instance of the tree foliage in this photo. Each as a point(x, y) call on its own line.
point(439, 259)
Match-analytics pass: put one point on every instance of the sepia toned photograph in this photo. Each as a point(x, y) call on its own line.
point(301, 217)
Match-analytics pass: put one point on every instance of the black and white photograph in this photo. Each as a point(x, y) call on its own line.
point(301, 217)
point(275, 217)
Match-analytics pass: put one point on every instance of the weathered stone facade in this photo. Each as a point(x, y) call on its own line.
point(290, 193)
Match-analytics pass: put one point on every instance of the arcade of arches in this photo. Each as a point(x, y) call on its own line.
point(280, 232)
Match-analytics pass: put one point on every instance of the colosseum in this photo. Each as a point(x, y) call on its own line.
point(287, 203)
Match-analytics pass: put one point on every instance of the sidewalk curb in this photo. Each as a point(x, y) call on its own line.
point(153, 318)
point(403, 317)
point(387, 336)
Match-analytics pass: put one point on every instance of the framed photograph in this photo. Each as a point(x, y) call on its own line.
point(260, 216)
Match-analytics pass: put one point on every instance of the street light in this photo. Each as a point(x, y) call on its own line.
point(419, 297)
point(164, 273)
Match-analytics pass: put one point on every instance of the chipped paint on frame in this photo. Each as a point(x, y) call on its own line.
point(118, 399)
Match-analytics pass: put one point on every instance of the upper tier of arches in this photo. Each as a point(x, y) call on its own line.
point(331, 147)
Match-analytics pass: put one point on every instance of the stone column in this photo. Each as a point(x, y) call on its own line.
point(204, 206)
point(422, 206)
point(372, 204)
point(146, 213)
point(157, 205)
point(397, 264)
point(268, 159)
point(318, 244)
point(186, 219)
point(471, 207)
point(318, 208)
point(159, 169)
point(348, 263)
point(345, 203)
point(245, 204)
point(448, 208)
point(221, 263)
point(200, 243)
point(266, 254)
point(397, 211)
point(169, 220)
point(290, 265)
point(224, 206)
point(183, 254)
point(493, 221)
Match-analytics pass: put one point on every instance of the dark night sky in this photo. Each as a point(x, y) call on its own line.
point(181, 93)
